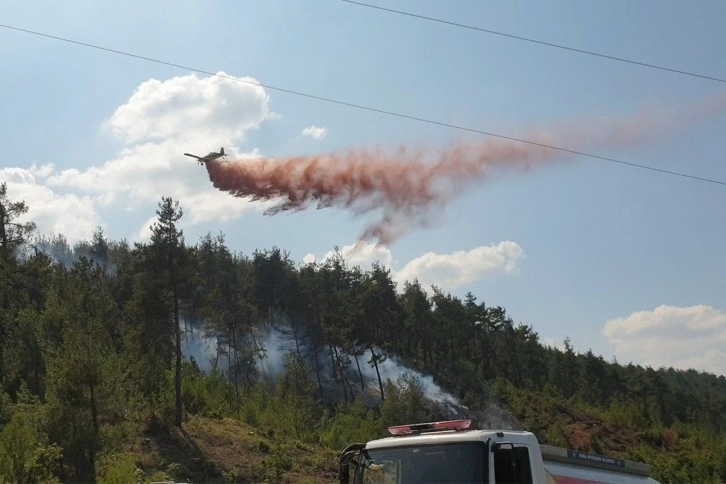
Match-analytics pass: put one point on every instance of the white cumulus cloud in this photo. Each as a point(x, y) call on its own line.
point(74, 216)
point(220, 106)
point(447, 271)
point(161, 121)
point(363, 255)
point(315, 132)
point(681, 337)
point(463, 267)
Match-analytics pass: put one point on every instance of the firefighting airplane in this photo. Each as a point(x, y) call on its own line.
point(209, 157)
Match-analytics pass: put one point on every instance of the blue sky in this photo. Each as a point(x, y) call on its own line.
point(625, 261)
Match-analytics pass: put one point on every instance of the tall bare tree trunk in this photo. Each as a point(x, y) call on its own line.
point(178, 350)
point(177, 367)
point(317, 371)
point(360, 373)
point(94, 417)
point(374, 358)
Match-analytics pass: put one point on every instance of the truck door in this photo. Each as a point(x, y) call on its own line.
point(511, 464)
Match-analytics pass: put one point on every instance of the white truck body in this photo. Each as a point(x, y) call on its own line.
point(438, 455)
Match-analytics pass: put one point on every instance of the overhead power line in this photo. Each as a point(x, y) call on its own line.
point(369, 108)
point(535, 41)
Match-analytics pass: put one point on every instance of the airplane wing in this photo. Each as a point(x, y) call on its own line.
point(193, 156)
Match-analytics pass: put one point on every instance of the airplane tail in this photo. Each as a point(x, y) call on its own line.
point(221, 151)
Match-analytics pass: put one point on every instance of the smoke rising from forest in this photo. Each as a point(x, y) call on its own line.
point(276, 344)
point(196, 345)
point(406, 185)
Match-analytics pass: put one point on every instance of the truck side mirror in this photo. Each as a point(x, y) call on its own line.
point(346, 457)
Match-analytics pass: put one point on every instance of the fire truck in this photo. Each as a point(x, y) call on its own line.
point(453, 451)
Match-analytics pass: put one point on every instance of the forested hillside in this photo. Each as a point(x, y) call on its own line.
point(92, 341)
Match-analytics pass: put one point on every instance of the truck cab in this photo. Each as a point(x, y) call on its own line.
point(453, 452)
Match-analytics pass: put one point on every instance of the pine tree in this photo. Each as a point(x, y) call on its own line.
point(167, 244)
point(12, 233)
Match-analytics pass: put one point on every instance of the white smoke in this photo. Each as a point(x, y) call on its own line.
point(392, 369)
point(57, 248)
point(278, 341)
point(275, 346)
point(201, 347)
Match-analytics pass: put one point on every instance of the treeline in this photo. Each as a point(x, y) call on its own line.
point(91, 348)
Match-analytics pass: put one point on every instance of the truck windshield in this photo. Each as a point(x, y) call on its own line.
point(460, 463)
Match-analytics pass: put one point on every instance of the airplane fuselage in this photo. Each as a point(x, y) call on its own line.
point(208, 157)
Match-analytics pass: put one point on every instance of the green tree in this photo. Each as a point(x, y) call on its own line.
point(380, 313)
point(311, 310)
point(82, 364)
point(13, 234)
point(167, 244)
point(14, 281)
point(25, 456)
point(416, 309)
point(333, 309)
point(223, 298)
point(405, 401)
point(564, 369)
